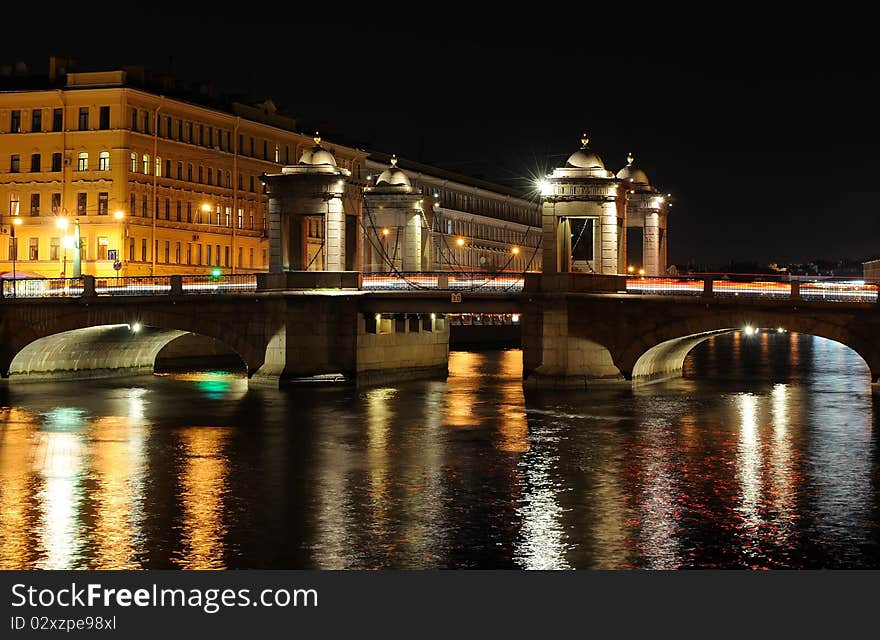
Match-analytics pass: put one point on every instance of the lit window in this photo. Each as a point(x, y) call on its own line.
point(146, 162)
point(134, 163)
point(82, 162)
point(104, 161)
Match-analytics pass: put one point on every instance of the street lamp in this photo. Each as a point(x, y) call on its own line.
point(61, 223)
point(77, 250)
point(15, 222)
point(117, 264)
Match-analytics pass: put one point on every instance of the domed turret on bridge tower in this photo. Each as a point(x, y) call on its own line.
point(646, 209)
point(583, 215)
point(304, 197)
point(396, 224)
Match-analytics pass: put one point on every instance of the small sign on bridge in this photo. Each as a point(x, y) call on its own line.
point(456, 297)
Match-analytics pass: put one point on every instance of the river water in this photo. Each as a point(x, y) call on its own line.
point(763, 455)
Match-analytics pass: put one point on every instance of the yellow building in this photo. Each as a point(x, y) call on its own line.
point(159, 184)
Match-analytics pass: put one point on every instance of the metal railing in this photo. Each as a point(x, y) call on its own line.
point(133, 286)
point(765, 287)
point(43, 288)
point(239, 283)
point(500, 282)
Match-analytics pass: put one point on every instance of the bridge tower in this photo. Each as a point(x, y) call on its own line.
point(395, 225)
point(583, 216)
point(306, 215)
point(646, 208)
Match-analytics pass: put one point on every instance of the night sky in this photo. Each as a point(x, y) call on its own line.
point(765, 131)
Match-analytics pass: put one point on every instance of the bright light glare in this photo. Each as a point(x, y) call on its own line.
point(515, 251)
point(630, 269)
point(16, 221)
point(515, 317)
point(61, 223)
point(206, 207)
point(67, 242)
point(460, 242)
point(749, 330)
point(119, 215)
point(780, 330)
point(385, 232)
point(136, 327)
point(641, 272)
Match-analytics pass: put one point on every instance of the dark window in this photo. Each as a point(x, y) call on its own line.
point(15, 122)
point(180, 171)
point(210, 175)
point(240, 143)
point(240, 181)
point(35, 163)
point(83, 118)
point(252, 147)
point(131, 249)
point(14, 163)
point(178, 210)
point(189, 172)
point(168, 168)
point(103, 203)
point(56, 203)
point(144, 207)
point(143, 249)
point(202, 135)
point(56, 162)
point(37, 120)
point(265, 150)
point(104, 118)
point(210, 136)
point(57, 119)
point(286, 155)
point(35, 204)
point(146, 122)
point(81, 204)
point(134, 119)
point(252, 184)
point(180, 130)
point(167, 209)
point(132, 204)
point(201, 173)
point(189, 212)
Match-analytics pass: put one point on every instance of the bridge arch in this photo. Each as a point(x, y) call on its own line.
point(71, 338)
point(661, 351)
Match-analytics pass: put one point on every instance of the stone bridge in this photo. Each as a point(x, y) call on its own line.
point(574, 334)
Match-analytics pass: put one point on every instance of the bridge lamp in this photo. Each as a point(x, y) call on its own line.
point(136, 327)
point(119, 215)
point(386, 231)
point(780, 330)
point(630, 269)
point(216, 273)
point(459, 242)
point(641, 272)
point(749, 330)
point(515, 251)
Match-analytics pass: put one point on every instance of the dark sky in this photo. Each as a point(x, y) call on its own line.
point(764, 128)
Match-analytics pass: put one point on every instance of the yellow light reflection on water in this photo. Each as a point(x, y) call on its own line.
point(17, 485)
point(513, 430)
point(203, 485)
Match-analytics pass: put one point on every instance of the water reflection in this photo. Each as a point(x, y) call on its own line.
point(763, 455)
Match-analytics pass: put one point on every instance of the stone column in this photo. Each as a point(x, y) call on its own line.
point(651, 244)
point(412, 243)
point(608, 231)
point(334, 236)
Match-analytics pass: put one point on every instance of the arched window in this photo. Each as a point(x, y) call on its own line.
point(82, 162)
point(104, 161)
point(134, 162)
point(146, 159)
point(158, 166)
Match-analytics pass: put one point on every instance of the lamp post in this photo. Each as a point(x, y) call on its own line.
point(61, 223)
point(120, 216)
point(77, 250)
point(15, 222)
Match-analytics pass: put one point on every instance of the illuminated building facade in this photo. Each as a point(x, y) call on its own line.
point(153, 184)
point(465, 224)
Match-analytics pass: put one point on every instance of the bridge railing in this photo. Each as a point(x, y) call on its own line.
point(767, 287)
point(133, 286)
point(444, 281)
point(43, 288)
point(238, 283)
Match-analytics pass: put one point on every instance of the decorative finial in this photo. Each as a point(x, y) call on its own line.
point(629, 159)
point(317, 138)
point(394, 160)
point(585, 140)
